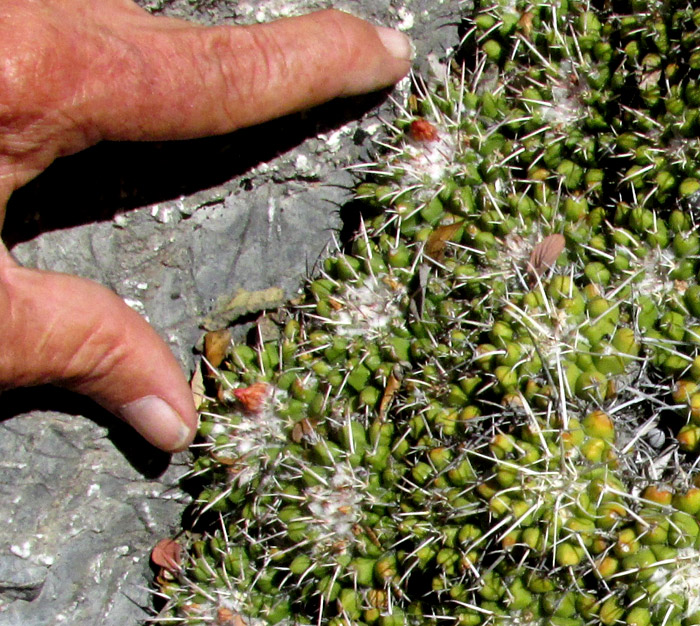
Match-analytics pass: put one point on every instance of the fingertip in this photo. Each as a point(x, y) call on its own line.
point(159, 423)
point(374, 57)
point(396, 43)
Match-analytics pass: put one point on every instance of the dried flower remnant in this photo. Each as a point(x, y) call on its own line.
point(253, 398)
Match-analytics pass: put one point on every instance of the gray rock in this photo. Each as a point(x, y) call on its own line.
point(178, 230)
point(20, 580)
point(79, 520)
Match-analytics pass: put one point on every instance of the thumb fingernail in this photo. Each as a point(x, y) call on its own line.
point(157, 422)
point(398, 45)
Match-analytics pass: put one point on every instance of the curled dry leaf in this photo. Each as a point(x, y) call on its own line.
point(525, 23)
point(304, 428)
point(545, 254)
point(422, 130)
point(226, 461)
point(392, 386)
point(167, 554)
point(216, 344)
point(335, 304)
point(435, 245)
point(226, 617)
point(252, 398)
point(191, 608)
point(197, 385)
point(681, 286)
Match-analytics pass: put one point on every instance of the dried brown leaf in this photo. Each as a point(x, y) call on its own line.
point(226, 617)
point(392, 386)
point(545, 254)
point(197, 385)
point(337, 305)
point(525, 22)
point(216, 344)
point(303, 428)
point(435, 245)
point(168, 555)
point(225, 460)
point(297, 433)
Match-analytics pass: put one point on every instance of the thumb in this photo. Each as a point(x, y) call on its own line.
point(75, 333)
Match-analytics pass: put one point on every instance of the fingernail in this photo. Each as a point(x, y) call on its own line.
point(398, 45)
point(157, 422)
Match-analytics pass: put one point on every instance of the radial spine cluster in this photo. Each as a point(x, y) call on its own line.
point(485, 409)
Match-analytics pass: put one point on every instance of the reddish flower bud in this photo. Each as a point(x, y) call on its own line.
point(423, 130)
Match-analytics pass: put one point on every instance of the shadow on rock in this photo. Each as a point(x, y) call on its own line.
point(149, 461)
point(110, 178)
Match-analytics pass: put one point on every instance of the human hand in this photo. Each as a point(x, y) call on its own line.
point(74, 72)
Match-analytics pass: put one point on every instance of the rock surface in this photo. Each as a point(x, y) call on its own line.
point(175, 230)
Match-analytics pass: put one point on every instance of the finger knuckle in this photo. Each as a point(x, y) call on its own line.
point(258, 59)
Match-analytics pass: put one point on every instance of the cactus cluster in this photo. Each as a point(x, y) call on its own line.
point(485, 409)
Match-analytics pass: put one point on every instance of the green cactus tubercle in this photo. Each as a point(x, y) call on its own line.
point(486, 407)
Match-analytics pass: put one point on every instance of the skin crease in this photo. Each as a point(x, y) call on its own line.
point(75, 72)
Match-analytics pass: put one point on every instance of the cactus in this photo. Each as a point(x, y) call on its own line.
point(486, 407)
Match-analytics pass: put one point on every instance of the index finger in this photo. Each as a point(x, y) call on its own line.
point(190, 82)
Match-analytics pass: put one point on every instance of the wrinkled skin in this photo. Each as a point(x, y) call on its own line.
point(74, 72)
